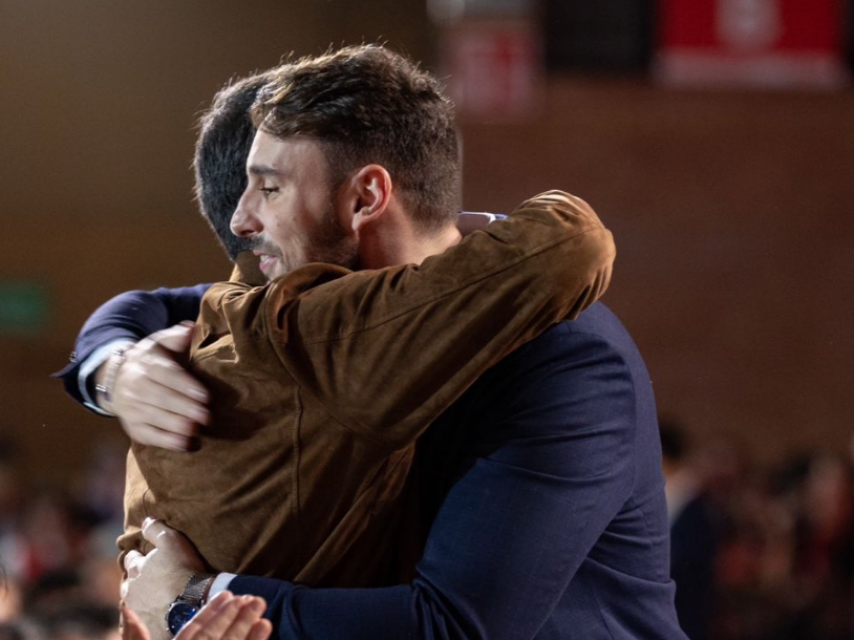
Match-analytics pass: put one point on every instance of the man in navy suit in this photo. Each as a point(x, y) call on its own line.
point(541, 486)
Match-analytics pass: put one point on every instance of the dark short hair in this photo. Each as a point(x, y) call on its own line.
point(367, 104)
point(225, 136)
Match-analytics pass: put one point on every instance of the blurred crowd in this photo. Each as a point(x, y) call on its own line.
point(60, 579)
point(758, 554)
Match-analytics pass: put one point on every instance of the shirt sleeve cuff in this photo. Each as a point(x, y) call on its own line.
point(89, 367)
point(469, 221)
point(220, 584)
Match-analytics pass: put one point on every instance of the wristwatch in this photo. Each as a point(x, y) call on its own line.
point(189, 602)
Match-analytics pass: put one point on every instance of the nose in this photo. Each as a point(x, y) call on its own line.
point(245, 222)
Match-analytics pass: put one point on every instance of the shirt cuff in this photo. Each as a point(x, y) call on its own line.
point(469, 221)
point(220, 584)
point(89, 367)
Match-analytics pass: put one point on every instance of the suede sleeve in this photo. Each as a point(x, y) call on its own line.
point(387, 351)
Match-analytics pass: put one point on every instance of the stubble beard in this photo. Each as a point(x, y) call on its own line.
point(329, 243)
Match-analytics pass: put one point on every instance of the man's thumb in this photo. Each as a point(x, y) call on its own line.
point(172, 544)
point(158, 534)
point(176, 338)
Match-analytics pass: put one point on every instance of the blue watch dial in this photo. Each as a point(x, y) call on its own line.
point(180, 613)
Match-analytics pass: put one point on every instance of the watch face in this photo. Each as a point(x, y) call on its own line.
point(180, 613)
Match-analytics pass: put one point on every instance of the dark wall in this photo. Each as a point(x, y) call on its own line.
point(732, 211)
point(734, 220)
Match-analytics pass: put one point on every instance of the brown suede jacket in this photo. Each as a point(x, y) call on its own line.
point(323, 379)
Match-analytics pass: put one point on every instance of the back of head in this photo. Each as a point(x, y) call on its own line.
point(225, 136)
point(368, 105)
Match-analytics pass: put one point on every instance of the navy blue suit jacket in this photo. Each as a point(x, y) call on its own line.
point(543, 486)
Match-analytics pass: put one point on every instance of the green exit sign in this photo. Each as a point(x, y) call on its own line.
point(23, 307)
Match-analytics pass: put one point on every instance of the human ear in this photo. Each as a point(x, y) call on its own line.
point(372, 188)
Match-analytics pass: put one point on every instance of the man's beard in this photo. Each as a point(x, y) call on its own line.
point(329, 243)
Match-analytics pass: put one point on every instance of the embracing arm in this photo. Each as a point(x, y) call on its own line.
point(157, 401)
point(551, 466)
point(410, 339)
point(125, 319)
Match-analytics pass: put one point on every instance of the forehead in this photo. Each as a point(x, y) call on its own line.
point(293, 156)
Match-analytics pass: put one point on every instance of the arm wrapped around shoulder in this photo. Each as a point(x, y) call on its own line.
point(579, 251)
point(387, 351)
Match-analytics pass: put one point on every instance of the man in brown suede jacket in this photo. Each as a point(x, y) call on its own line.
point(323, 379)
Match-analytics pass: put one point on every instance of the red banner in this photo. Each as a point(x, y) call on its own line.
point(756, 42)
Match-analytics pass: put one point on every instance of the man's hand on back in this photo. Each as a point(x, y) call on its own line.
point(155, 580)
point(157, 401)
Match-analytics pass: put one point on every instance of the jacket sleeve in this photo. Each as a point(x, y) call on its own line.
point(130, 316)
point(551, 464)
point(387, 351)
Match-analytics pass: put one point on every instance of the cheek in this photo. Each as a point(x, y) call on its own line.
point(306, 222)
point(282, 229)
point(282, 224)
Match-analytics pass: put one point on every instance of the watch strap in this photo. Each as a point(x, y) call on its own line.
point(197, 588)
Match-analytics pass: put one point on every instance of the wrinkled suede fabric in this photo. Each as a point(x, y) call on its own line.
point(323, 379)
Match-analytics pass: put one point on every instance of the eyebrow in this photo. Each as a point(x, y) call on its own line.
point(263, 170)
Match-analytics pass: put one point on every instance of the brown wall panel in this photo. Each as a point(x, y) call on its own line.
point(735, 234)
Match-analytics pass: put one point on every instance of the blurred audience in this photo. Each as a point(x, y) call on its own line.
point(60, 579)
point(694, 531)
point(759, 554)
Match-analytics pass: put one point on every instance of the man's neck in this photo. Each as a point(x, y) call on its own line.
point(403, 244)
